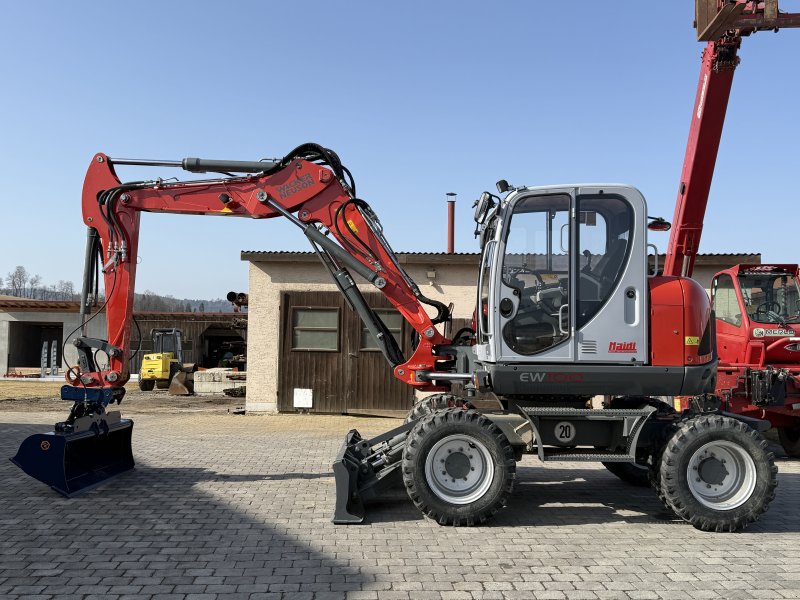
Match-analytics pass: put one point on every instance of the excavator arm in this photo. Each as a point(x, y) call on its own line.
point(309, 187)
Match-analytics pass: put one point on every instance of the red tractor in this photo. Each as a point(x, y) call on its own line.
point(758, 319)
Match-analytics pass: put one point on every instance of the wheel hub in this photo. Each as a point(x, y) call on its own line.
point(457, 465)
point(721, 475)
point(459, 469)
point(713, 471)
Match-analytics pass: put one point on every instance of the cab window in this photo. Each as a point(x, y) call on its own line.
point(536, 265)
point(724, 302)
point(605, 223)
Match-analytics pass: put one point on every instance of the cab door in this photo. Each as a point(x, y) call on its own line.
point(570, 277)
point(611, 306)
point(533, 279)
point(732, 324)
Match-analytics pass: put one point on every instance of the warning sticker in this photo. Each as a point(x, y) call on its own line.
point(691, 340)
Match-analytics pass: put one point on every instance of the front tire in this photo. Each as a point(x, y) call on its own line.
point(434, 402)
point(147, 385)
point(717, 474)
point(458, 467)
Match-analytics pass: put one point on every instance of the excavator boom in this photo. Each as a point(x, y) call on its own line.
point(310, 188)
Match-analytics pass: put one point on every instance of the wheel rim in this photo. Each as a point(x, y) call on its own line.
point(459, 469)
point(721, 475)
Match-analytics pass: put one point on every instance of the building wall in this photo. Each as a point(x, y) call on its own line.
point(3, 345)
point(453, 283)
point(703, 274)
point(71, 322)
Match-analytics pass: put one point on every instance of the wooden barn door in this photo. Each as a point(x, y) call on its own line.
point(375, 389)
point(325, 349)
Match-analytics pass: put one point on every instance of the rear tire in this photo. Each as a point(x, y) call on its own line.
point(147, 385)
point(458, 467)
point(434, 402)
point(631, 473)
point(717, 474)
point(790, 440)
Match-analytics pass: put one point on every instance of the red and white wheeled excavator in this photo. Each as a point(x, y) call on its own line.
point(756, 307)
point(567, 309)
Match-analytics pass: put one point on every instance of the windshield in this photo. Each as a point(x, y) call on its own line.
point(771, 297)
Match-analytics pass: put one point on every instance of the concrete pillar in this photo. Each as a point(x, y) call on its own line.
point(3, 347)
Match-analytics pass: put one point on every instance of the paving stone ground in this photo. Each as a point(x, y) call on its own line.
point(239, 507)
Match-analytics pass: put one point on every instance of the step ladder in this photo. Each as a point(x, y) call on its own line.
point(632, 421)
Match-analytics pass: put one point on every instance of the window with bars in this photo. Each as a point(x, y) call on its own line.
point(315, 329)
point(393, 321)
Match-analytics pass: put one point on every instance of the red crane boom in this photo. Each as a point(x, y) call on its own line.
point(722, 23)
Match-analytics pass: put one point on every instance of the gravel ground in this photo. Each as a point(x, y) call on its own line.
point(43, 396)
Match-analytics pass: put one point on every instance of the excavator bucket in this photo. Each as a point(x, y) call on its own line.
point(74, 462)
point(182, 384)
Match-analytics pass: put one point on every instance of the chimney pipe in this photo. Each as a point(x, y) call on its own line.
point(451, 219)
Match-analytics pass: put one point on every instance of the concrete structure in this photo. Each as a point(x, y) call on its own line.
point(25, 324)
point(444, 277)
point(214, 382)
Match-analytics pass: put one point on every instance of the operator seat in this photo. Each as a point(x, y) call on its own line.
point(609, 265)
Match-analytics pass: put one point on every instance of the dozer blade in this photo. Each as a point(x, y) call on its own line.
point(182, 384)
point(75, 462)
point(363, 469)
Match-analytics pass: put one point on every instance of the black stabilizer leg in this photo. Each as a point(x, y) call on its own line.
point(349, 506)
point(365, 469)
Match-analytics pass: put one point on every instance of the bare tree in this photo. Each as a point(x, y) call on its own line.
point(65, 289)
point(17, 281)
point(33, 286)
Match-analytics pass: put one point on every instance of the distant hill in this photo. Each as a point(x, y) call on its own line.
point(150, 301)
point(146, 302)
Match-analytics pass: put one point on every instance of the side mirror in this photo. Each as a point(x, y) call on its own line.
point(659, 224)
point(482, 207)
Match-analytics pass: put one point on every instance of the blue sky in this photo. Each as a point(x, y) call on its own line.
point(418, 99)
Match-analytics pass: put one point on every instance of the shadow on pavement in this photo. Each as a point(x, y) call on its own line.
point(161, 529)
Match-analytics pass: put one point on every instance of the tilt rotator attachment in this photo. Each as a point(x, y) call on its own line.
point(90, 447)
point(364, 469)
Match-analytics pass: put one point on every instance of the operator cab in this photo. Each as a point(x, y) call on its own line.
point(755, 306)
point(564, 276)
